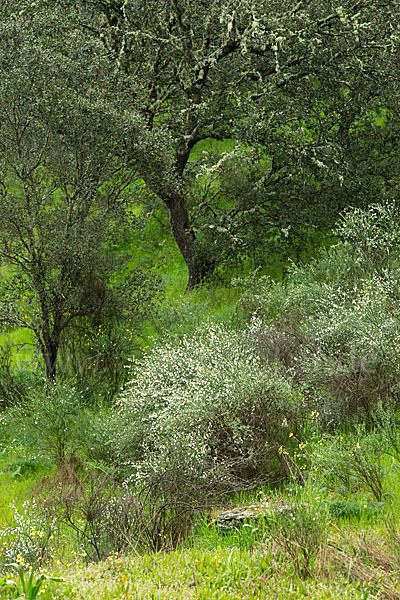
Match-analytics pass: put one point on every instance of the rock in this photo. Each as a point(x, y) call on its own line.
point(237, 517)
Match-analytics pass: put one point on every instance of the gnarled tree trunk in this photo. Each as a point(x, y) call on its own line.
point(186, 240)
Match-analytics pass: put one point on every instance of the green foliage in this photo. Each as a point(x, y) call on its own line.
point(28, 538)
point(52, 422)
point(250, 137)
point(220, 574)
point(274, 154)
point(253, 125)
point(26, 467)
point(28, 587)
point(105, 517)
point(96, 352)
point(353, 509)
point(15, 385)
point(206, 535)
point(372, 236)
point(300, 532)
point(182, 314)
point(352, 462)
point(64, 195)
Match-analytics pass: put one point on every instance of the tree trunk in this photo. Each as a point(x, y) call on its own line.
point(50, 358)
point(186, 240)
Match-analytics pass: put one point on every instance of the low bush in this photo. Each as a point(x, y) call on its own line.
point(52, 422)
point(300, 533)
point(204, 411)
point(106, 517)
point(352, 462)
point(28, 538)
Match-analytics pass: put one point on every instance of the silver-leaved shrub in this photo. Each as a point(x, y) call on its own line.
point(28, 538)
point(204, 410)
point(334, 324)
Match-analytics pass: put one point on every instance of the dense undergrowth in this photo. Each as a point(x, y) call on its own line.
point(264, 392)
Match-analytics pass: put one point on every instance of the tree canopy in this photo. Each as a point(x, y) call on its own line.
point(245, 119)
point(305, 92)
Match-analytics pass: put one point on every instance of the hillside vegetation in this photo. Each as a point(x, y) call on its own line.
point(199, 300)
point(289, 397)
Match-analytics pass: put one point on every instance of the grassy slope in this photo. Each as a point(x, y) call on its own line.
point(223, 573)
point(355, 564)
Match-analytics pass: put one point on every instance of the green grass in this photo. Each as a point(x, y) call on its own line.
point(223, 574)
point(354, 561)
point(358, 559)
point(20, 477)
point(21, 344)
point(13, 491)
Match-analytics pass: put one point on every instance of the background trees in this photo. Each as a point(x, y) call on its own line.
point(63, 193)
point(251, 123)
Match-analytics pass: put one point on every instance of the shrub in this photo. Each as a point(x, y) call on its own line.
point(334, 325)
point(372, 235)
point(97, 356)
point(352, 462)
point(28, 538)
point(205, 410)
point(51, 423)
point(109, 517)
point(300, 533)
point(98, 443)
point(351, 360)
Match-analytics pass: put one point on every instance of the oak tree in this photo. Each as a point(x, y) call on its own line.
point(245, 118)
point(306, 93)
